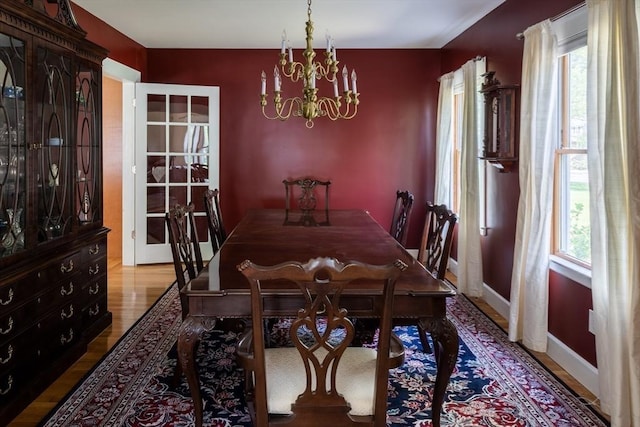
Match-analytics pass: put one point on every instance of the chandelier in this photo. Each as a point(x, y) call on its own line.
point(310, 105)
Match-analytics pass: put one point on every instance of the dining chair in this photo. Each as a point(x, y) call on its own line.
point(401, 214)
point(185, 251)
point(321, 380)
point(217, 233)
point(437, 237)
point(301, 194)
point(434, 250)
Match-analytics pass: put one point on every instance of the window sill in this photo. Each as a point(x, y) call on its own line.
point(570, 270)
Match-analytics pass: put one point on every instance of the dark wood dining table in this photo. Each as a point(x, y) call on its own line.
point(272, 236)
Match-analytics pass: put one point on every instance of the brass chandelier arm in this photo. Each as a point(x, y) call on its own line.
point(283, 108)
point(295, 70)
point(332, 107)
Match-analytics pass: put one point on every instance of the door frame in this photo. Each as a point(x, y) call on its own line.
point(129, 77)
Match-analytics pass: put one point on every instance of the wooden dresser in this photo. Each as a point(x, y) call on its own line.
point(53, 245)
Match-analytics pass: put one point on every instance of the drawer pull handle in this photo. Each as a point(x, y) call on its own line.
point(66, 315)
point(95, 250)
point(9, 385)
point(9, 327)
point(65, 340)
point(94, 289)
point(93, 272)
point(94, 310)
point(10, 295)
point(9, 355)
point(64, 292)
point(67, 269)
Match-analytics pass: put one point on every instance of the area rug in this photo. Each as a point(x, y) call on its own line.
point(496, 382)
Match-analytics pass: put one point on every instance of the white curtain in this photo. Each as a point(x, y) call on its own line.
point(529, 279)
point(469, 252)
point(444, 142)
point(614, 162)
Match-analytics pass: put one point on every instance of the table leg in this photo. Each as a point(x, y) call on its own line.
point(190, 335)
point(445, 348)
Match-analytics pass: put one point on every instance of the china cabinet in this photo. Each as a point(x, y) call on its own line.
point(53, 281)
point(500, 141)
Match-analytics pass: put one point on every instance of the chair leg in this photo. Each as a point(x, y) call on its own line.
point(424, 340)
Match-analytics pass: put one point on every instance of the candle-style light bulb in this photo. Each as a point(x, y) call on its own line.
point(345, 78)
point(354, 78)
point(284, 41)
point(276, 79)
point(263, 78)
point(328, 36)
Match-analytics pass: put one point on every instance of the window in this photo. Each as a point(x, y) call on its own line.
point(571, 182)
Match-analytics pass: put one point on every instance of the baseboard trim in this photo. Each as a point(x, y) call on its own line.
point(583, 371)
point(574, 364)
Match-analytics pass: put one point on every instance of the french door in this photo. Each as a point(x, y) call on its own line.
point(176, 161)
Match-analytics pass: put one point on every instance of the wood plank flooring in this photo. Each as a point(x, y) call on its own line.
point(132, 290)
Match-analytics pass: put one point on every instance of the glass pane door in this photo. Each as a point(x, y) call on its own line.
point(12, 145)
point(176, 161)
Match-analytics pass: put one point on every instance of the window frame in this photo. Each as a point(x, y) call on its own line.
point(571, 33)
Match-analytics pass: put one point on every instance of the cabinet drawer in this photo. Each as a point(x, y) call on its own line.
point(96, 267)
point(95, 287)
point(62, 268)
point(20, 350)
point(94, 311)
point(64, 291)
point(59, 330)
point(17, 291)
point(95, 250)
point(17, 364)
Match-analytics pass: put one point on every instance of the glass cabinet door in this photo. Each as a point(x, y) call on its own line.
point(53, 134)
point(12, 145)
point(88, 160)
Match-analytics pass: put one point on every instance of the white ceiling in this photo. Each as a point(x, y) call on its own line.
point(259, 23)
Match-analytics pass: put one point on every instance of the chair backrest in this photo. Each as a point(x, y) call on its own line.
point(185, 246)
point(217, 233)
point(437, 236)
point(322, 333)
point(301, 194)
point(401, 214)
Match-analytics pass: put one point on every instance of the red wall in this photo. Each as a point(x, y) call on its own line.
point(495, 37)
point(389, 145)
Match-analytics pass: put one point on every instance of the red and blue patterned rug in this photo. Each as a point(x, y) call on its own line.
point(496, 382)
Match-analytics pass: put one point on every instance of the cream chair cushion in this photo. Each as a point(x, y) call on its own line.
point(286, 378)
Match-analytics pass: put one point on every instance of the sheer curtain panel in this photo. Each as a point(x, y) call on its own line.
point(614, 161)
point(469, 252)
point(530, 276)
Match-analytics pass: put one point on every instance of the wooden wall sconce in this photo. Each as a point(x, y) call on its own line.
point(501, 123)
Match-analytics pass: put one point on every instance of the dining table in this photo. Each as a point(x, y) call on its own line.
point(272, 236)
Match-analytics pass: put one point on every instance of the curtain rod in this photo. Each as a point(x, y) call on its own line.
point(520, 36)
point(477, 58)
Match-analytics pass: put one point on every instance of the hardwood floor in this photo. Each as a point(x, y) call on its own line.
point(132, 290)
